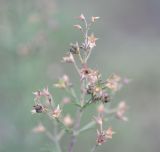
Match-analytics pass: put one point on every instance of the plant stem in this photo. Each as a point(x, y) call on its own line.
point(73, 137)
point(94, 148)
point(76, 67)
point(86, 127)
point(58, 146)
point(88, 55)
point(80, 57)
point(56, 139)
point(53, 139)
point(60, 135)
point(82, 98)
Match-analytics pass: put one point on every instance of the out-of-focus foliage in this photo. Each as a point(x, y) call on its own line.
point(34, 35)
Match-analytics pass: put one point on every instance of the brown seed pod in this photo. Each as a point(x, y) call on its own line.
point(38, 108)
point(105, 97)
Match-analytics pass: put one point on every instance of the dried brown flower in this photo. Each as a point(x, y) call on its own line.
point(105, 97)
point(74, 48)
point(38, 108)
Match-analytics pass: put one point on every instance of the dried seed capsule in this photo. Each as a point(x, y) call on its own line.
point(38, 108)
point(74, 48)
point(89, 89)
point(105, 97)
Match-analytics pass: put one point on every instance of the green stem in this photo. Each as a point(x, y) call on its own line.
point(72, 92)
point(94, 148)
point(73, 137)
point(53, 139)
point(86, 127)
point(56, 139)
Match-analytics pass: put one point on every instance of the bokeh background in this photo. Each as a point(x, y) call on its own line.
point(35, 34)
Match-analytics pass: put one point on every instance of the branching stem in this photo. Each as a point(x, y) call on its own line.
point(73, 137)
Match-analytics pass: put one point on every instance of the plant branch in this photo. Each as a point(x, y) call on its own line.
point(94, 148)
point(76, 67)
point(53, 139)
point(88, 55)
point(56, 139)
point(73, 137)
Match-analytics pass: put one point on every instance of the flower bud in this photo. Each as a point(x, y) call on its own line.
point(101, 108)
point(68, 58)
point(94, 18)
point(81, 17)
point(68, 121)
point(78, 27)
point(39, 129)
point(56, 113)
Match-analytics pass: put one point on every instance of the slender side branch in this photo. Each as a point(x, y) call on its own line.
point(88, 55)
point(94, 148)
point(53, 139)
point(56, 139)
point(73, 137)
point(76, 67)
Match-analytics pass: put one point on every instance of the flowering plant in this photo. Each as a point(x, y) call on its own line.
point(93, 90)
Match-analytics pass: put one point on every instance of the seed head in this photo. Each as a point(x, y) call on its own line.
point(37, 108)
point(74, 48)
point(105, 97)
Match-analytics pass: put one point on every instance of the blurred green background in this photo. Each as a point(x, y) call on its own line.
point(35, 34)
